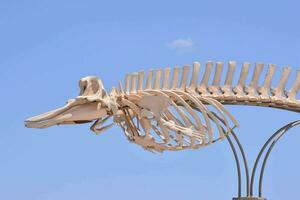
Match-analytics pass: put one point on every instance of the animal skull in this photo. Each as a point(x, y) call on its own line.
point(88, 106)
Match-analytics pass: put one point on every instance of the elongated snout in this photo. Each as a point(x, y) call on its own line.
point(72, 113)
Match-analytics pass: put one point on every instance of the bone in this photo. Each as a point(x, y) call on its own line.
point(157, 79)
point(278, 92)
point(208, 68)
point(166, 78)
point(159, 134)
point(239, 88)
point(149, 80)
point(175, 78)
point(265, 89)
point(91, 86)
point(251, 90)
point(113, 91)
point(140, 80)
point(194, 100)
point(214, 88)
point(120, 87)
point(204, 82)
point(292, 93)
point(218, 73)
point(226, 89)
point(99, 122)
point(184, 77)
point(134, 78)
point(165, 132)
point(195, 74)
point(127, 83)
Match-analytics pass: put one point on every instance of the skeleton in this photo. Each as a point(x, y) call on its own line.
point(162, 112)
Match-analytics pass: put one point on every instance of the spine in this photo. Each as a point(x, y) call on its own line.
point(249, 90)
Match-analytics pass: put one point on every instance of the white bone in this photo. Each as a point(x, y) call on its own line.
point(227, 88)
point(179, 137)
point(205, 113)
point(98, 123)
point(173, 111)
point(218, 73)
point(214, 88)
point(292, 93)
point(165, 132)
point(149, 80)
point(168, 94)
point(266, 88)
point(134, 78)
point(161, 135)
point(184, 77)
point(140, 80)
point(201, 107)
point(175, 78)
point(166, 78)
point(155, 104)
point(202, 88)
point(127, 83)
point(239, 88)
point(120, 87)
point(157, 79)
point(195, 75)
point(278, 92)
point(251, 90)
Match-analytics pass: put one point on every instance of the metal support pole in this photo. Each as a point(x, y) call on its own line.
point(242, 153)
point(272, 141)
point(249, 198)
point(278, 136)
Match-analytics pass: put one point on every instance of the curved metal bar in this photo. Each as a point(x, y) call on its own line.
point(259, 156)
point(262, 150)
point(241, 149)
point(244, 160)
point(279, 135)
point(238, 166)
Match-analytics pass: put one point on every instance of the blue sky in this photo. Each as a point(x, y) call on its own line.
point(47, 46)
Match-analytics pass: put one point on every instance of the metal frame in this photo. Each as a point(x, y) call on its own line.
point(250, 183)
point(271, 142)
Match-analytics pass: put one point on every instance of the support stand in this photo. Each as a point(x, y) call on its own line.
point(249, 198)
point(250, 183)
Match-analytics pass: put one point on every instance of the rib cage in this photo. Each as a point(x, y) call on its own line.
point(197, 102)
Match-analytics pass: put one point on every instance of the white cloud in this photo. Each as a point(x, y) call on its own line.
point(181, 44)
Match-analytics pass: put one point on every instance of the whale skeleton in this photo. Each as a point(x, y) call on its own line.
point(168, 109)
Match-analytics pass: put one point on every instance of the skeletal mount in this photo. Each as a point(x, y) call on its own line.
point(162, 110)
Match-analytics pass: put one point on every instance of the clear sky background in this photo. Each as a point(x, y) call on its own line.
point(47, 46)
